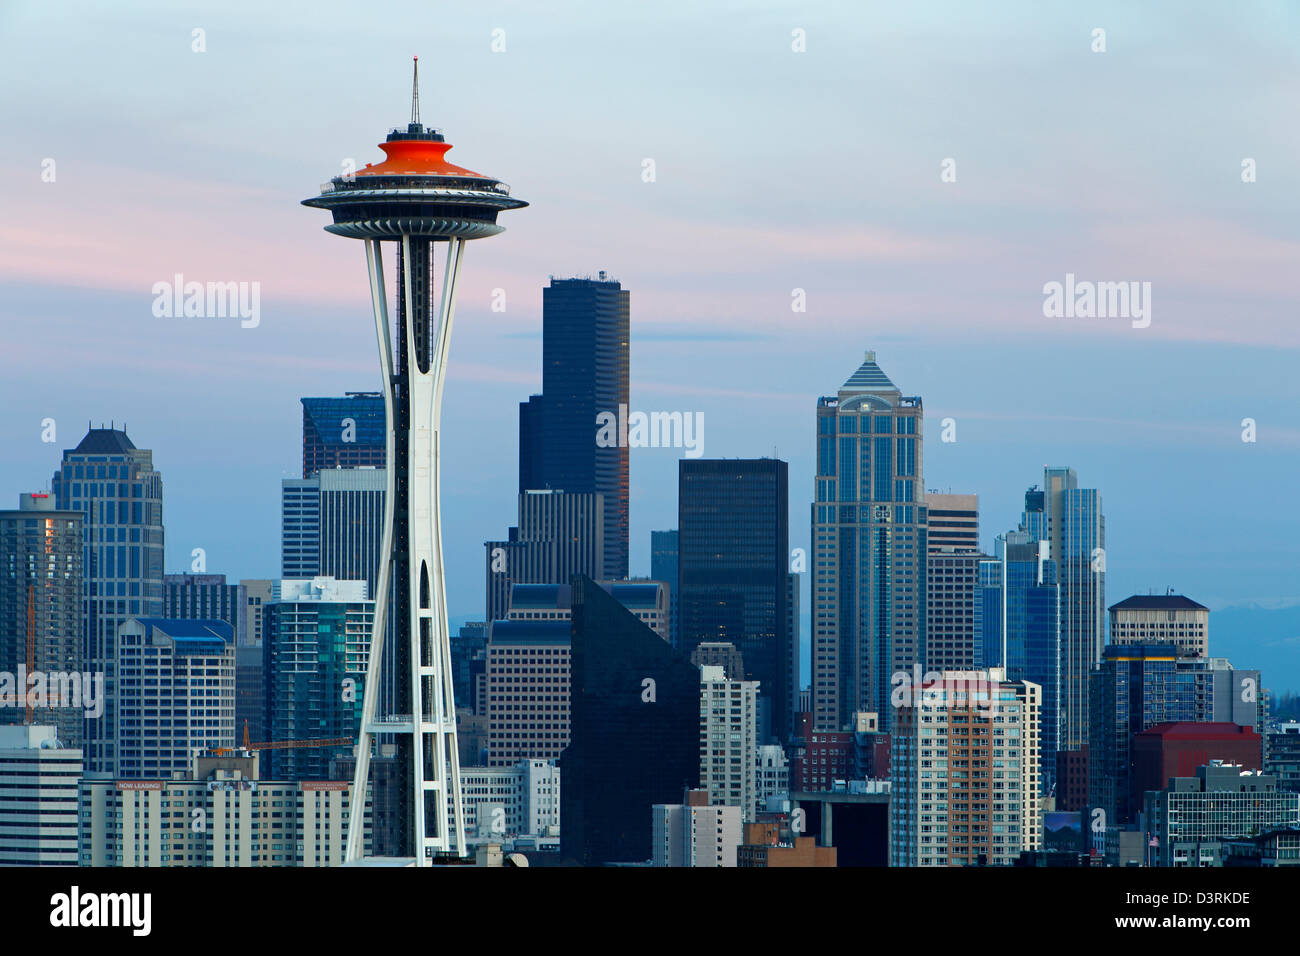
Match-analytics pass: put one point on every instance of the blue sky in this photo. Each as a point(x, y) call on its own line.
point(775, 170)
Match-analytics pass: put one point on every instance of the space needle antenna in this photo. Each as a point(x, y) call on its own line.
point(415, 92)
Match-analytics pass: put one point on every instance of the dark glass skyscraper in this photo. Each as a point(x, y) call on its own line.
point(585, 330)
point(733, 561)
point(530, 444)
point(346, 432)
point(114, 485)
point(663, 567)
point(634, 731)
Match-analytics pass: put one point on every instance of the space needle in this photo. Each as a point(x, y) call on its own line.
point(429, 209)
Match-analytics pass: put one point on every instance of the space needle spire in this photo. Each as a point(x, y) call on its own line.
point(428, 209)
point(415, 93)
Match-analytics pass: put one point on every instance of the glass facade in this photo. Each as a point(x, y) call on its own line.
point(869, 547)
point(347, 432)
point(634, 730)
point(585, 331)
point(1070, 519)
point(115, 486)
point(733, 533)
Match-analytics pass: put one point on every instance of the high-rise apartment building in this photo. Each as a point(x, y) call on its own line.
point(729, 741)
point(41, 553)
point(585, 335)
point(316, 651)
point(115, 486)
point(347, 432)
point(733, 567)
point(38, 797)
point(1162, 619)
point(558, 535)
point(869, 533)
point(965, 770)
point(1070, 520)
point(176, 694)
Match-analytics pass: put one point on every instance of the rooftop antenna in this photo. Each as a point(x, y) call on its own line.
point(415, 93)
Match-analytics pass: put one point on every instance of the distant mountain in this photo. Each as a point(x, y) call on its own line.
point(1258, 637)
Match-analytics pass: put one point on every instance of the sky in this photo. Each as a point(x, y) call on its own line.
point(130, 156)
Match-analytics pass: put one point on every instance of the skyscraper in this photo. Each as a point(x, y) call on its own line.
point(634, 731)
point(41, 551)
point(954, 522)
point(585, 331)
point(729, 741)
point(347, 432)
point(1070, 520)
point(1162, 619)
point(559, 535)
point(176, 694)
point(869, 532)
point(115, 486)
point(530, 444)
point(984, 808)
point(663, 567)
point(733, 562)
point(1023, 630)
point(317, 646)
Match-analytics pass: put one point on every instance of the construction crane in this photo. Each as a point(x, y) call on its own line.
point(285, 744)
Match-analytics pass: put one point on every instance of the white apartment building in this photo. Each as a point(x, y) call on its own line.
point(728, 740)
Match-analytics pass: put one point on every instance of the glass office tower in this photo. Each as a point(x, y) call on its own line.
point(1070, 519)
point(585, 330)
point(115, 486)
point(733, 520)
point(869, 533)
point(634, 731)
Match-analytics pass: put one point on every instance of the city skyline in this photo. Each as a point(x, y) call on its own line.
point(864, 443)
point(707, 335)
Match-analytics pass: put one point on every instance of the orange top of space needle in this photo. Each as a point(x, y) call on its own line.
point(415, 157)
